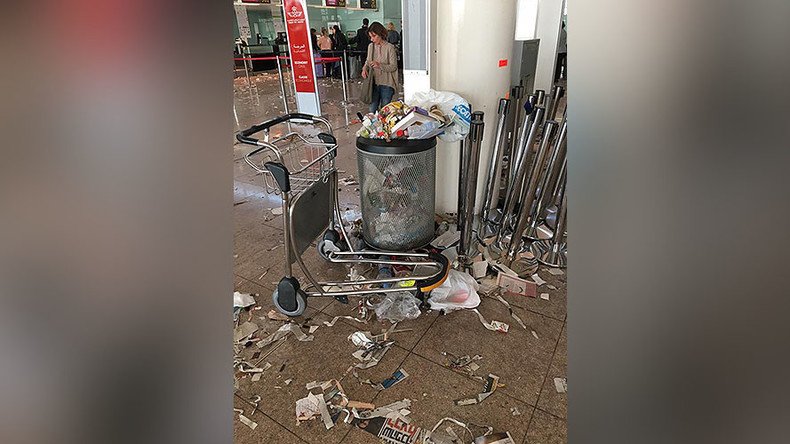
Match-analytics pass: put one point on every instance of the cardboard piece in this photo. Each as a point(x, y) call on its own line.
point(516, 285)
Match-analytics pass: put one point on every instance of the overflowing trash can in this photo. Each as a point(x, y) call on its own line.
point(397, 192)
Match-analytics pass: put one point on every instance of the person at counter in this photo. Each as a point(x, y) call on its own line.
point(314, 39)
point(382, 64)
point(339, 43)
point(362, 39)
point(325, 45)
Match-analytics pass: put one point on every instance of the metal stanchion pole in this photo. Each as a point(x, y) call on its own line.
point(557, 93)
point(520, 162)
point(554, 253)
point(535, 176)
point(343, 79)
point(495, 164)
point(553, 170)
point(514, 121)
point(529, 197)
point(520, 165)
point(541, 96)
point(469, 176)
point(550, 101)
point(282, 86)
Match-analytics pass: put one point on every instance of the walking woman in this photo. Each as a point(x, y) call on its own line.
point(382, 64)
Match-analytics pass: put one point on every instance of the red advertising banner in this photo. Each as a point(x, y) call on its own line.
point(298, 28)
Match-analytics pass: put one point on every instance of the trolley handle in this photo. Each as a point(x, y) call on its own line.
point(245, 136)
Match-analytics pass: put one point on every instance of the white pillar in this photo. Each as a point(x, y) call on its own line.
point(470, 38)
point(549, 25)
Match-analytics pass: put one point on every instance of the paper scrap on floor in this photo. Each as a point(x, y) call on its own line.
point(244, 330)
point(561, 385)
point(242, 300)
point(493, 325)
point(446, 240)
point(538, 280)
point(396, 377)
point(496, 438)
point(392, 430)
point(512, 313)
point(544, 296)
point(248, 422)
point(479, 269)
point(275, 315)
point(390, 409)
point(502, 268)
point(350, 318)
point(308, 407)
point(283, 332)
point(490, 386)
point(516, 285)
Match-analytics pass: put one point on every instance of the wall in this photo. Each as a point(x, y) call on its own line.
point(550, 14)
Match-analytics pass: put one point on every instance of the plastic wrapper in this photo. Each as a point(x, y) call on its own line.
point(458, 291)
point(398, 306)
point(455, 107)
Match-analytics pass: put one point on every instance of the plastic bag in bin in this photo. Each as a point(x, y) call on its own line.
point(453, 106)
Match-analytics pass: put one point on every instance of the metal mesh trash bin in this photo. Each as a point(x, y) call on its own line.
point(398, 189)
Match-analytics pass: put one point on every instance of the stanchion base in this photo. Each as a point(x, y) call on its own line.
point(487, 230)
point(525, 266)
point(472, 251)
point(550, 255)
point(537, 234)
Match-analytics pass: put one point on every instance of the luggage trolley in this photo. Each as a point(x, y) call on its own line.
point(302, 170)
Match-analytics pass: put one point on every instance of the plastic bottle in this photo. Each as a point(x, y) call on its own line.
point(385, 272)
point(419, 131)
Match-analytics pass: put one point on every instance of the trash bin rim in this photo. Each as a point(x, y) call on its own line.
point(395, 146)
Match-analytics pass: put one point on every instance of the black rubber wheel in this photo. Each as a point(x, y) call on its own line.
point(329, 243)
point(289, 299)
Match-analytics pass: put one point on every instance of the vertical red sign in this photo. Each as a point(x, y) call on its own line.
point(301, 49)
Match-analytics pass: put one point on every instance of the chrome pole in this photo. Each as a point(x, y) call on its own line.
point(529, 197)
point(282, 86)
point(517, 95)
point(343, 79)
point(550, 101)
point(553, 170)
point(519, 170)
point(541, 96)
point(472, 155)
point(495, 163)
point(558, 92)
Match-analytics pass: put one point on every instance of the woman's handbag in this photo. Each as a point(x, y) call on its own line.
point(367, 89)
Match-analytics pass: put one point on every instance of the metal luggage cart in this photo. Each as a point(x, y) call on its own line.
point(301, 169)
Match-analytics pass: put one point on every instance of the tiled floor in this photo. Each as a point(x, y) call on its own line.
point(527, 365)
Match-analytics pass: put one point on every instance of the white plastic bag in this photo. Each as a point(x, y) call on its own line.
point(457, 292)
point(452, 105)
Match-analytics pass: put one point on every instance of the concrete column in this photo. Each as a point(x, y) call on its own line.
point(469, 39)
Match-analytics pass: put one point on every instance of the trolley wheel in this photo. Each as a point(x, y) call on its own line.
point(328, 244)
point(289, 299)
